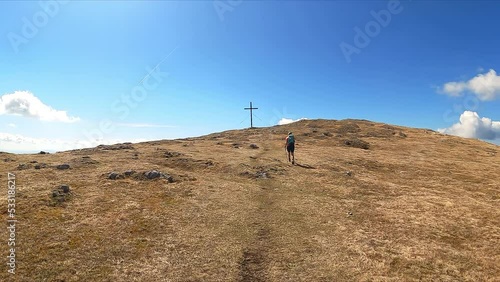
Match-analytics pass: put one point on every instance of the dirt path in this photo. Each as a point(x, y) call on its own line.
point(255, 259)
point(256, 256)
point(253, 266)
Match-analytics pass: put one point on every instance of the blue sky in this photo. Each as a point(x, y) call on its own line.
point(71, 69)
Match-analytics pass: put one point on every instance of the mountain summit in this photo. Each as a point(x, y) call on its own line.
point(364, 202)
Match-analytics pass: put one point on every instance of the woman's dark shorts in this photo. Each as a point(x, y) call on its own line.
point(290, 147)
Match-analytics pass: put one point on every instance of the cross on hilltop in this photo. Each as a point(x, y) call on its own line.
point(251, 114)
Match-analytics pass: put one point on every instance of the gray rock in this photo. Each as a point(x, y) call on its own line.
point(23, 166)
point(254, 146)
point(169, 154)
point(63, 166)
point(129, 172)
point(169, 178)
point(114, 175)
point(61, 194)
point(262, 175)
point(152, 174)
point(40, 165)
point(64, 188)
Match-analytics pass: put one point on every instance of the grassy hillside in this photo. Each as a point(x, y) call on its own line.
point(365, 202)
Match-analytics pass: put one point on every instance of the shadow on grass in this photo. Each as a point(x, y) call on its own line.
point(304, 165)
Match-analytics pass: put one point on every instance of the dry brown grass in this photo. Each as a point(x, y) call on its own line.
point(416, 206)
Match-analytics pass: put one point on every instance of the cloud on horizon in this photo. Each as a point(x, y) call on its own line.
point(19, 143)
point(284, 121)
point(485, 86)
point(16, 143)
point(24, 103)
point(471, 125)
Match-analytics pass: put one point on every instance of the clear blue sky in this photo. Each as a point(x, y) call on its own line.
point(285, 56)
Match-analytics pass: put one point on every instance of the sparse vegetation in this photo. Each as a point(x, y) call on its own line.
point(357, 143)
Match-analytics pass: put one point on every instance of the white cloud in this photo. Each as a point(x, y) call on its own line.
point(284, 121)
point(145, 125)
point(455, 88)
point(21, 143)
point(24, 103)
point(12, 125)
point(473, 126)
point(485, 86)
